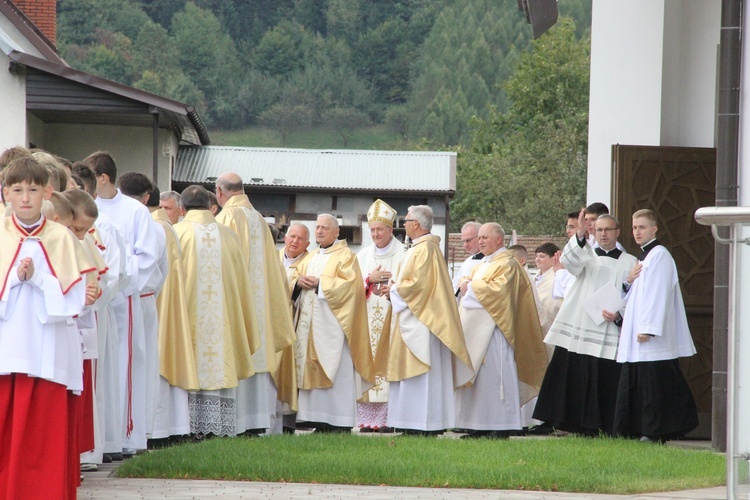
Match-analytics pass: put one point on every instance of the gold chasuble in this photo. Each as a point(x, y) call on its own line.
point(176, 354)
point(222, 312)
point(66, 256)
point(423, 283)
point(341, 283)
point(268, 285)
point(504, 290)
point(286, 371)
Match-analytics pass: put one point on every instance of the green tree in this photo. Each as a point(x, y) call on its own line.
point(287, 118)
point(281, 50)
point(526, 167)
point(471, 48)
point(208, 57)
point(346, 121)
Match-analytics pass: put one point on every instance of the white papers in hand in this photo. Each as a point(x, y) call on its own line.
point(606, 298)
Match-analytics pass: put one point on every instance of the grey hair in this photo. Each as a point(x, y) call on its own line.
point(299, 224)
point(333, 219)
point(476, 225)
point(171, 195)
point(608, 216)
point(423, 215)
point(497, 228)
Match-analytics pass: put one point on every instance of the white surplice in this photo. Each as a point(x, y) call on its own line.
point(142, 257)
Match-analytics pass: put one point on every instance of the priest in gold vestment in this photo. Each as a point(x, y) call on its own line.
point(293, 255)
point(257, 395)
point(426, 338)
point(504, 339)
point(378, 263)
point(332, 348)
point(222, 314)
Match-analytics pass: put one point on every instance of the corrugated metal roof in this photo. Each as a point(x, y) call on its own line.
point(321, 169)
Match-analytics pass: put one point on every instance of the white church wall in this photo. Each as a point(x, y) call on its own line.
point(13, 106)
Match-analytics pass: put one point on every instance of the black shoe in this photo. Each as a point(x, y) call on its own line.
point(332, 429)
point(499, 435)
point(487, 435)
point(116, 457)
point(287, 430)
point(417, 432)
point(253, 432)
point(543, 429)
point(365, 430)
point(655, 440)
point(386, 430)
point(475, 434)
point(107, 458)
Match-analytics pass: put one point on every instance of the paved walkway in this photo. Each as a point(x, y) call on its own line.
point(110, 488)
point(101, 485)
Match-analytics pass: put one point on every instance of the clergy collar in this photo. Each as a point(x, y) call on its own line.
point(648, 247)
point(614, 253)
point(494, 254)
point(293, 259)
point(321, 247)
point(420, 238)
point(385, 249)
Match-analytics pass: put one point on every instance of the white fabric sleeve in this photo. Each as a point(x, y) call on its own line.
point(397, 303)
point(52, 306)
point(470, 301)
point(656, 289)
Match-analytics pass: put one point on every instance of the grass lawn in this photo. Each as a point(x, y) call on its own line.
point(375, 137)
point(568, 464)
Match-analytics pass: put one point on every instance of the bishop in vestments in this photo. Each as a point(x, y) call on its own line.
point(378, 263)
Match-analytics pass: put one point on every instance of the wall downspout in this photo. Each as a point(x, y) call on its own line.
point(155, 152)
point(727, 149)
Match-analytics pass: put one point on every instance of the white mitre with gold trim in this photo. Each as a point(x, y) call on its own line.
point(381, 211)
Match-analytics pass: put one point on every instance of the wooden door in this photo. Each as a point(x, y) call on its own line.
point(674, 182)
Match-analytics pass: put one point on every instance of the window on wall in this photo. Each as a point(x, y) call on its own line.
point(269, 204)
point(401, 205)
point(352, 234)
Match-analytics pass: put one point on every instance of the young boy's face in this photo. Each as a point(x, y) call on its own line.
point(81, 225)
point(26, 200)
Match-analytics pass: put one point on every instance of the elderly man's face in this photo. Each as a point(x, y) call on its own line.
point(325, 231)
point(488, 240)
point(173, 211)
point(380, 233)
point(296, 241)
point(469, 238)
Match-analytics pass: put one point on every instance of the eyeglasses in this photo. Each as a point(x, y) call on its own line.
point(468, 240)
point(409, 220)
point(606, 229)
